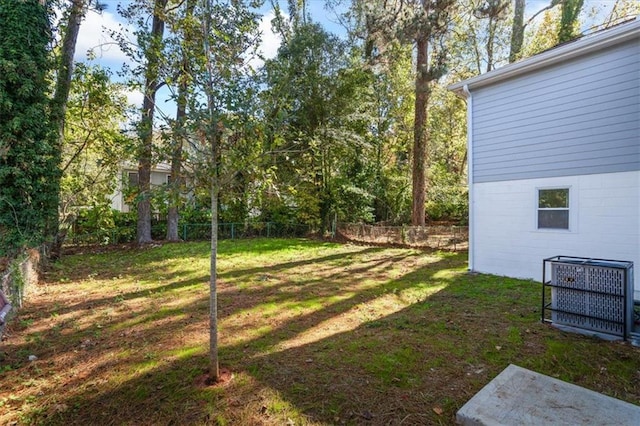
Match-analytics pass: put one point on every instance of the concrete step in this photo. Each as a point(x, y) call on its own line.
point(518, 396)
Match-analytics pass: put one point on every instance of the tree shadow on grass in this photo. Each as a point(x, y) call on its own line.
point(333, 362)
point(134, 361)
point(174, 281)
point(77, 267)
point(421, 364)
point(334, 302)
point(268, 245)
point(163, 292)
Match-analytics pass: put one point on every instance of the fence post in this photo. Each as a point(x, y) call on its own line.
point(233, 231)
point(268, 229)
point(184, 232)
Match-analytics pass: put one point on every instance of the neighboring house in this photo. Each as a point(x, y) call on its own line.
point(554, 156)
point(160, 175)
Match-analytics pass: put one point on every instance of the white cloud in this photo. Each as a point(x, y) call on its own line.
point(270, 40)
point(134, 97)
point(269, 43)
point(95, 35)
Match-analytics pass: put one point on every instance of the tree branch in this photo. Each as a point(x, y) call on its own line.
point(553, 4)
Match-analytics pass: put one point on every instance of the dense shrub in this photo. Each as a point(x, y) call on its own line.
point(447, 195)
point(448, 204)
point(29, 155)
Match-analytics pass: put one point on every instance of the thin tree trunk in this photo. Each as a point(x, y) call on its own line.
point(490, 40)
point(144, 202)
point(146, 125)
point(569, 19)
point(212, 134)
point(65, 67)
point(173, 215)
point(59, 105)
point(420, 136)
point(517, 30)
point(214, 372)
point(476, 49)
point(176, 163)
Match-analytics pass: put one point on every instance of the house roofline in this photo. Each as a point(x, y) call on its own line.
point(163, 166)
point(561, 53)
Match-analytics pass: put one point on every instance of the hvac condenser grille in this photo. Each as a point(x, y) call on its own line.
point(590, 294)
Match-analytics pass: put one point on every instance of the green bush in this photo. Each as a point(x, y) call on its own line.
point(29, 153)
point(103, 225)
point(447, 195)
point(448, 203)
point(196, 214)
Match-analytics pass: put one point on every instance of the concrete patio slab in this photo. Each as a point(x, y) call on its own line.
point(518, 396)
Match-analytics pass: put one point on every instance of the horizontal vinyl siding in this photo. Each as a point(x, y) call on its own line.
point(575, 118)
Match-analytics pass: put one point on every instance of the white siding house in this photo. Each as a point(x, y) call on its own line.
point(160, 175)
point(554, 156)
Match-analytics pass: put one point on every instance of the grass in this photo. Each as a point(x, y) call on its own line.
point(315, 333)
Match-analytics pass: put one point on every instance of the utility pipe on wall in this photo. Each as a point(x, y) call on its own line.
point(469, 98)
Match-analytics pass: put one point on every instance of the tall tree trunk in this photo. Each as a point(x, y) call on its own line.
point(59, 102)
point(420, 135)
point(490, 42)
point(569, 19)
point(212, 134)
point(65, 66)
point(173, 215)
point(146, 125)
point(214, 371)
point(517, 30)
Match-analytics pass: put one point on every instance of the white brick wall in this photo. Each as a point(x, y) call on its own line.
point(604, 222)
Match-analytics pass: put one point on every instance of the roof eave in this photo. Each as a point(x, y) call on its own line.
point(559, 54)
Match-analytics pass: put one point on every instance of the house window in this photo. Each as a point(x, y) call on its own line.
point(169, 180)
point(133, 179)
point(553, 208)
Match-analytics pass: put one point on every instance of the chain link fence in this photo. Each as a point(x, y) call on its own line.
point(442, 237)
point(192, 232)
point(18, 279)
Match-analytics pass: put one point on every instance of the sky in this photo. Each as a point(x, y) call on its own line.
point(95, 29)
point(94, 36)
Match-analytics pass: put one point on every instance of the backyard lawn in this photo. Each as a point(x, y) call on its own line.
point(315, 333)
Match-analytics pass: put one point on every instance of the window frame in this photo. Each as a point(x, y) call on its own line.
point(569, 209)
point(130, 174)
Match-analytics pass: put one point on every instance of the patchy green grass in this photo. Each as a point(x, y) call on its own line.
point(315, 333)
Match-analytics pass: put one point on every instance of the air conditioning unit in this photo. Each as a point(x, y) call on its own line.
point(592, 296)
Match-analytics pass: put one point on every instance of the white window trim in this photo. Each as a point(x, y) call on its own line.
point(573, 210)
